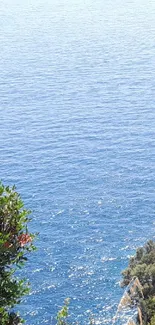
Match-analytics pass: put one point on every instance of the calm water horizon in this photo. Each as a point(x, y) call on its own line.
point(77, 139)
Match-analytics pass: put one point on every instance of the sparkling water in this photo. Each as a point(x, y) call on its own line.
point(77, 137)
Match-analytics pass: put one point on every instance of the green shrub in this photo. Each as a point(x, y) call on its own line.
point(142, 266)
point(63, 313)
point(15, 242)
point(152, 321)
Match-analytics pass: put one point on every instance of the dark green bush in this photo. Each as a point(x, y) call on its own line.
point(15, 242)
point(142, 266)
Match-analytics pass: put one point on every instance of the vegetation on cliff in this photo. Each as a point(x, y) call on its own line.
point(142, 267)
point(15, 243)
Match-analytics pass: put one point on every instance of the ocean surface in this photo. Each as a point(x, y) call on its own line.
point(77, 138)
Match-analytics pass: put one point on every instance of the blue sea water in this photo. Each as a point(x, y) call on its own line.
point(77, 137)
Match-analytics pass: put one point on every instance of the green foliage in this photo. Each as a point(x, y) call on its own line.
point(63, 314)
point(142, 265)
point(152, 321)
point(15, 242)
